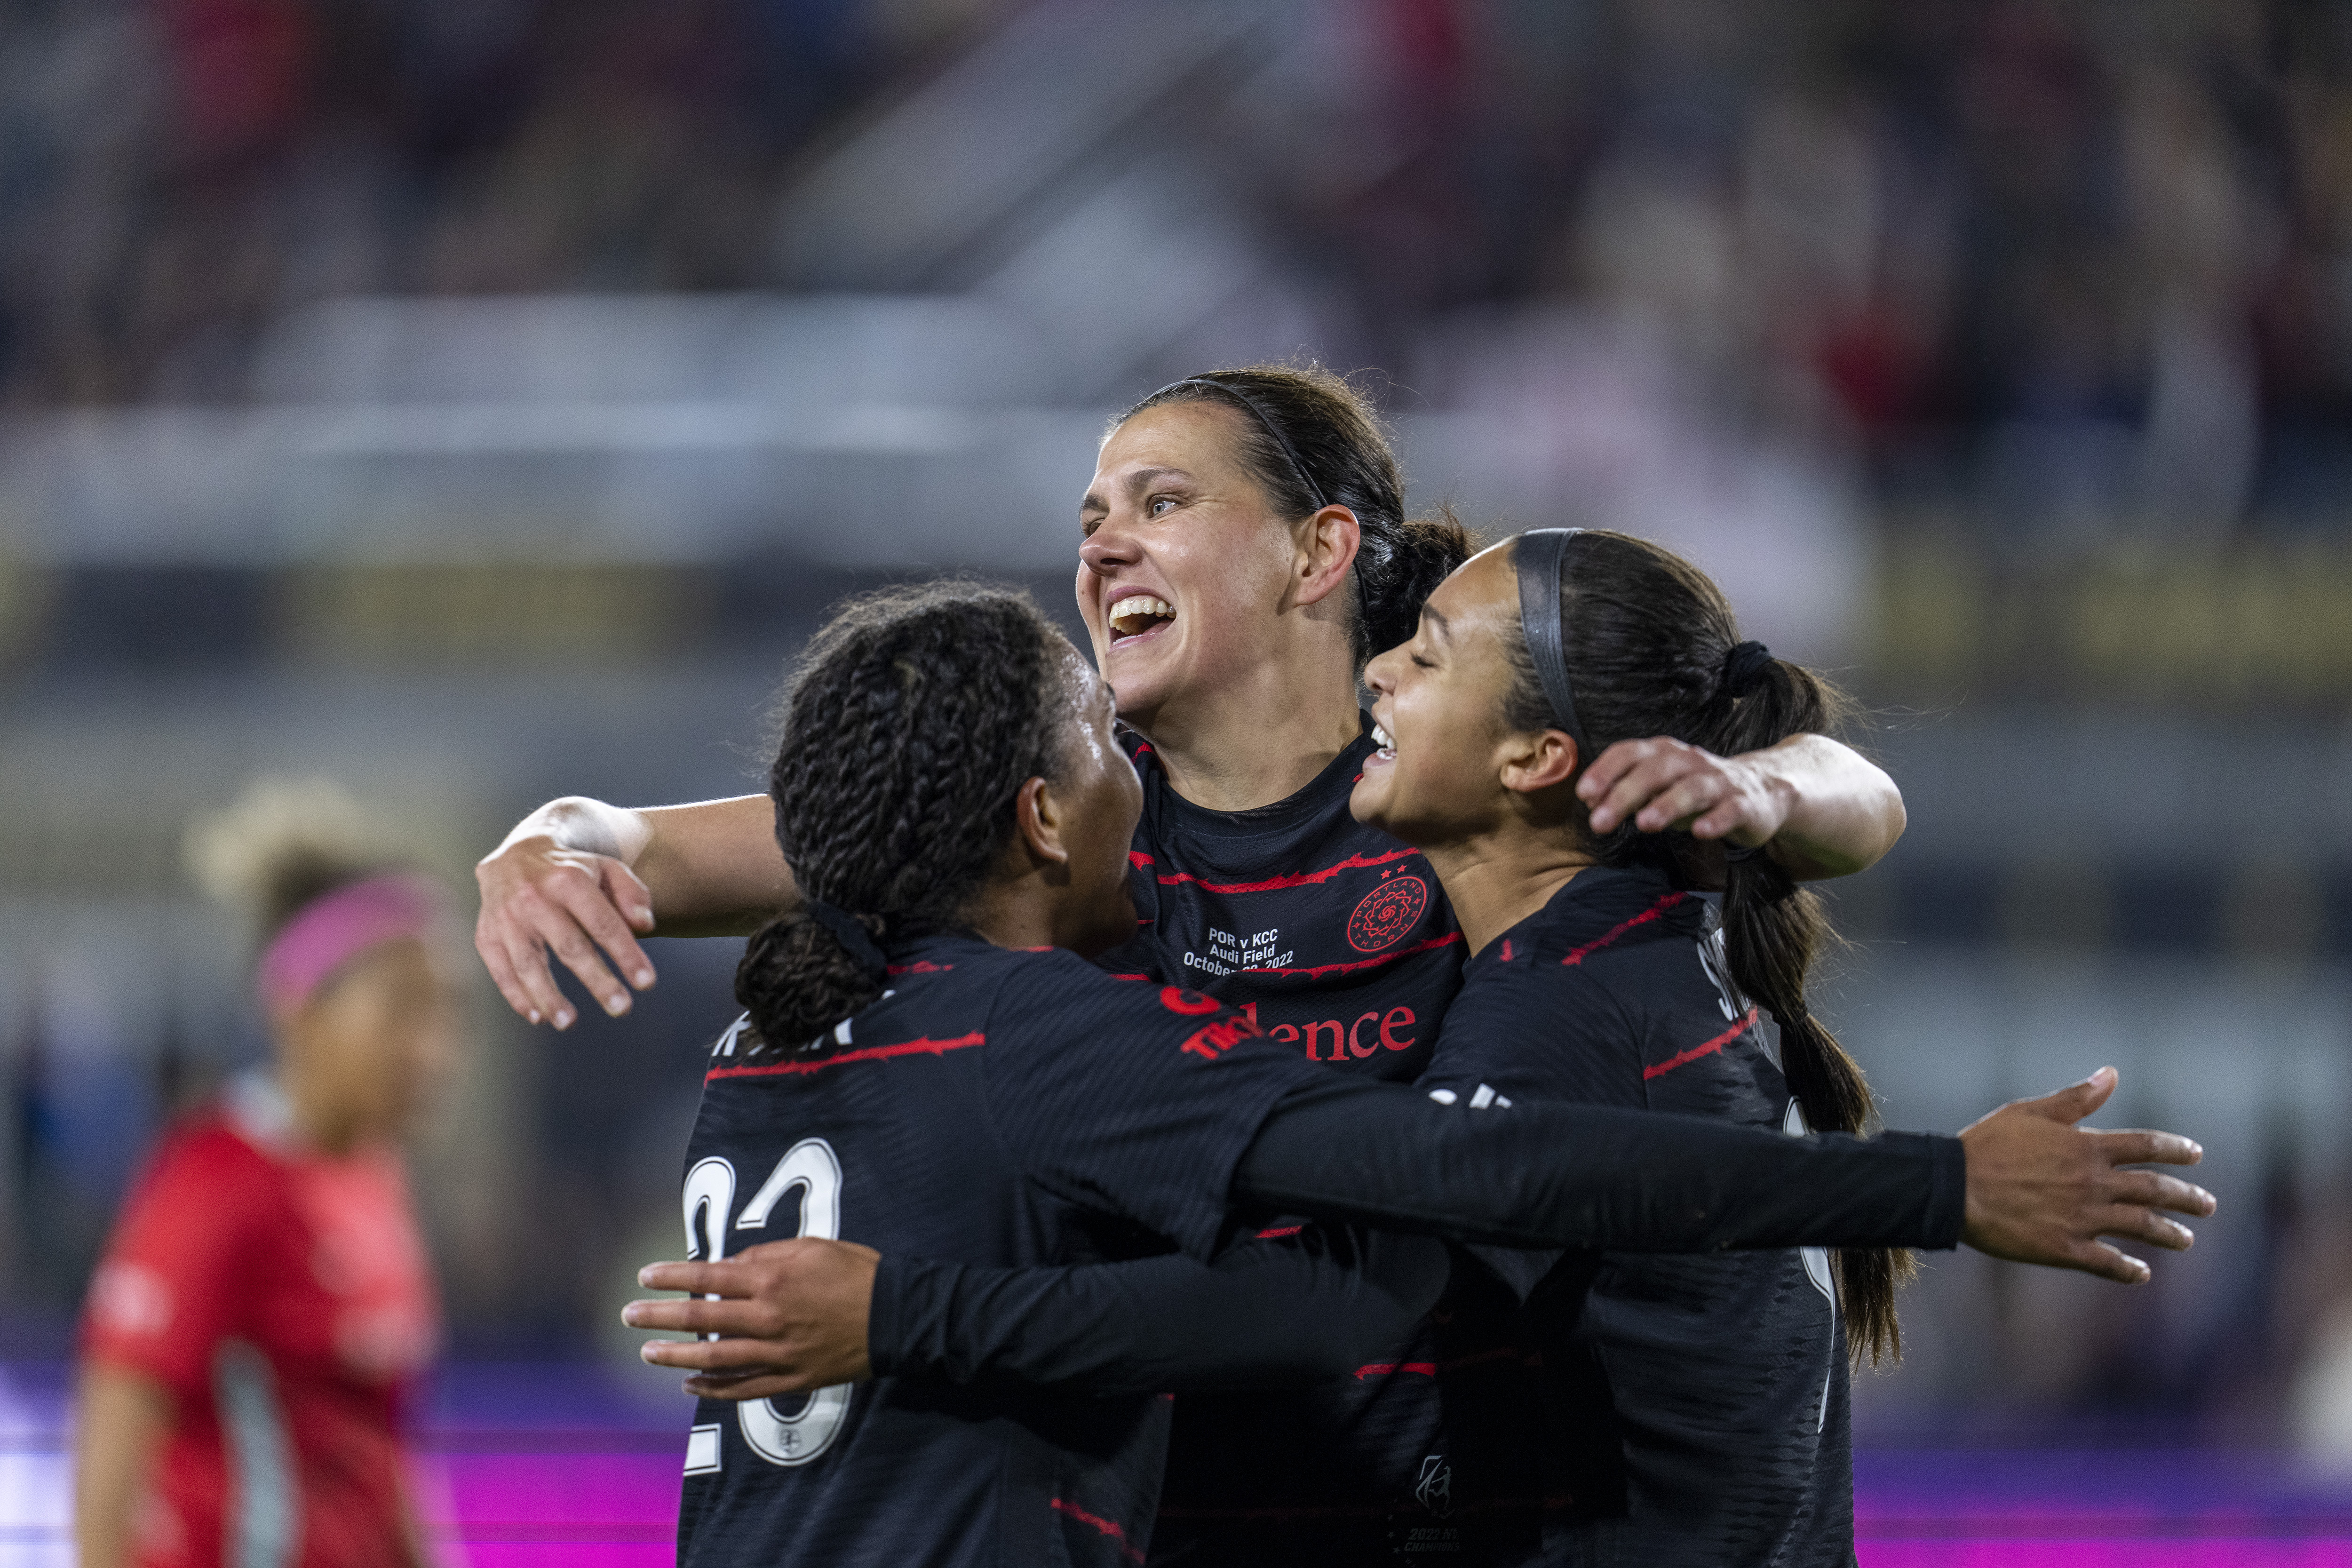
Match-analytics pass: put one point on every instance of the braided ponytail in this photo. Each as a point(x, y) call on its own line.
point(906, 734)
point(1653, 648)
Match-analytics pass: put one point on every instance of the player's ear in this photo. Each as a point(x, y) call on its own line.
point(1534, 759)
point(1042, 819)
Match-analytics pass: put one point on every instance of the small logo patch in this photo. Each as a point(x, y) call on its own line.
point(1435, 1491)
point(1386, 913)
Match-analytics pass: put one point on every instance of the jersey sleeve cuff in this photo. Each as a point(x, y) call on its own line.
point(906, 1321)
point(1948, 1196)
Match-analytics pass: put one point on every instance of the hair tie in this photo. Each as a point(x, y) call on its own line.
point(1745, 667)
point(1536, 558)
point(852, 936)
point(1297, 465)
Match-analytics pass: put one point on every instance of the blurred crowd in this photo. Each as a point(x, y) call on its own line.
point(1853, 299)
point(2070, 261)
point(173, 172)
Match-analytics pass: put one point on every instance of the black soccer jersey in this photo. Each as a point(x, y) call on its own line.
point(1657, 1408)
point(1334, 936)
point(1338, 939)
point(994, 1107)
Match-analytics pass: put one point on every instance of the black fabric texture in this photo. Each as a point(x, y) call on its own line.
point(1269, 1313)
point(1658, 1408)
point(1560, 1176)
point(995, 1108)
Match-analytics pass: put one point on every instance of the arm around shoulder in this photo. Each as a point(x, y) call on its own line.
point(1842, 811)
point(1823, 809)
point(1269, 1311)
point(584, 879)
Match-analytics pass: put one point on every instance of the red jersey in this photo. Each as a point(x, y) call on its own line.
point(284, 1298)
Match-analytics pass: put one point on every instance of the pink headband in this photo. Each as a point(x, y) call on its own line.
point(332, 930)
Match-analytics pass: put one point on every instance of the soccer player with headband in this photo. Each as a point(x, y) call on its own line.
point(1243, 549)
point(929, 1069)
point(264, 1303)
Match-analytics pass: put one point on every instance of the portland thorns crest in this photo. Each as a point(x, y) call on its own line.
point(1386, 913)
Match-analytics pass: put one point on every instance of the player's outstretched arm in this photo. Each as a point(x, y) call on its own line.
point(1267, 1312)
point(1822, 808)
point(2023, 1182)
point(2043, 1190)
point(583, 881)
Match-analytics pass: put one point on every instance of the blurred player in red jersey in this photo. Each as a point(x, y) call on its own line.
point(266, 1301)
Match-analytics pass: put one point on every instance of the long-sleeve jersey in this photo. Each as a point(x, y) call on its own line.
point(994, 1106)
point(1642, 1408)
point(1337, 939)
point(1006, 1108)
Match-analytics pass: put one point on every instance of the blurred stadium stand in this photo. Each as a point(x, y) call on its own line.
point(477, 401)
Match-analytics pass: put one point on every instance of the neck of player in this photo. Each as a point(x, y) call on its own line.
point(1500, 874)
point(1261, 735)
point(324, 1117)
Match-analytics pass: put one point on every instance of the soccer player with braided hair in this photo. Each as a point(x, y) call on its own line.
point(1246, 550)
point(929, 1068)
point(1246, 547)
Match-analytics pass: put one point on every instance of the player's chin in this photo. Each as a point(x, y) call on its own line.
point(1369, 802)
point(1143, 671)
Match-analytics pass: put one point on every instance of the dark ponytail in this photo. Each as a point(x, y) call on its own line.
point(915, 717)
point(1652, 649)
point(1310, 439)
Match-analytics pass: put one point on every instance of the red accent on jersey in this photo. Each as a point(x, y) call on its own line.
point(1577, 956)
point(1191, 1004)
point(1298, 879)
point(925, 1046)
point(1126, 1548)
point(1213, 1040)
point(1139, 860)
point(1383, 915)
point(284, 1299)
point(1506, 949)
point(1710, 1048)
point(921, 966)
point(1276, 1232)
point(1382, 1369)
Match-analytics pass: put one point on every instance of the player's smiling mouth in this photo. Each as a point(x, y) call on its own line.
point(1385, 742)
point(1136, 615)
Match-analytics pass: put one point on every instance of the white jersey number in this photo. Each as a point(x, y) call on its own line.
point(811, 1168)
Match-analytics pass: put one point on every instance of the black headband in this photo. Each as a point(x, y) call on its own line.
point(855, 937)
point(1536, 557)
point(1297, 466)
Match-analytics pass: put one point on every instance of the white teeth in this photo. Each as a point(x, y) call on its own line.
point(1135, 606)
point(1381, 739)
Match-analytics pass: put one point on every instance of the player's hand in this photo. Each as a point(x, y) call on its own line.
point(1663, 784)
point(791, 1316)
point(2042, 1190)
point(536, 897)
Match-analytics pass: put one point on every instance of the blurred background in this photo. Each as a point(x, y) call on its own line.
point(476, 400)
